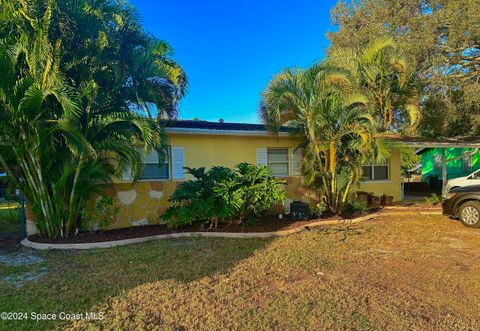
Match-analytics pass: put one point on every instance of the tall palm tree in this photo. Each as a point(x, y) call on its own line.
point(385, 75)
point(66, 120)
point(321, 105)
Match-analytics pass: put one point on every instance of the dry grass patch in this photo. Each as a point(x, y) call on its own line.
point(405, 271)
point(401, 271)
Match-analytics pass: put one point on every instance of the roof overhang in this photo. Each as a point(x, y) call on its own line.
point(208, 132)
point(421, 143)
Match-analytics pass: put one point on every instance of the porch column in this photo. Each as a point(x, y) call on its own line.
point(444, 169)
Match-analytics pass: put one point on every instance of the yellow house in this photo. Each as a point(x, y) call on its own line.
point(199, 143)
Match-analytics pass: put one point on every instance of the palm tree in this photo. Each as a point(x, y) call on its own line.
point(321, 105)
point(66, 121)
point(385, 75)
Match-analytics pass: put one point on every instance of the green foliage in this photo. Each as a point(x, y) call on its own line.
point(354, 208)
point(77, 76)
point(322, 106)
point(224, 195)
point(442, 39)
point(383, 73)
point(318, 209)
point(102, 214)
point(434, 199)
point(343, 109)
point(409, 159)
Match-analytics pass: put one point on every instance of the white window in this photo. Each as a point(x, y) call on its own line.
point(375, 171)
point(278, 162)
point(152, 169)
point(467, 164)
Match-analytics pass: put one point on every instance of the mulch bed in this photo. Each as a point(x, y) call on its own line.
point(266, 224)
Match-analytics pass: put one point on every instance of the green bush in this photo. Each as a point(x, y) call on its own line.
point(224, 195)
point(354, 207)
point(102, 214)
point(433, 200)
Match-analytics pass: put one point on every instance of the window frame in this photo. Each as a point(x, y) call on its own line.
point(168, 161)
point(280, 162)
point(372, 165)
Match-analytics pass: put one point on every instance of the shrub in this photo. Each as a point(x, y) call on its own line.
point(354, 207)
point(433, 200)
point(319, 209)
point(224, 195)
point(103, 213)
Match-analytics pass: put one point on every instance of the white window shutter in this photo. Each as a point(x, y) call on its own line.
point(261, 156)
point(127, 175)
point(297, 162)
point(178, 161)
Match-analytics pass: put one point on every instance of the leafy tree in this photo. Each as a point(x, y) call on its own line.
point(321, 105)
point(70, 94)
point(441, 37)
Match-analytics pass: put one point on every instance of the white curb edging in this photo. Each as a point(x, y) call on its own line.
point(123, 242)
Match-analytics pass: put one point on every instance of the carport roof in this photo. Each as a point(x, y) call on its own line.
point(422, 142)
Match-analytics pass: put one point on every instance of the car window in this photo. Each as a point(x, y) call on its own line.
point(475, 175)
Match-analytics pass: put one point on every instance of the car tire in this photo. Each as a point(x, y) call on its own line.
point(469, 214)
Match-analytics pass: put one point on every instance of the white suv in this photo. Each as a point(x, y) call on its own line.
point(472, 179)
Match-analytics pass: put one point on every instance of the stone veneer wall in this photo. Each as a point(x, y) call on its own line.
point(143, 202)
point(140, 203)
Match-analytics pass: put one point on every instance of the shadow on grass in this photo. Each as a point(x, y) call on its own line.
point(79, 280)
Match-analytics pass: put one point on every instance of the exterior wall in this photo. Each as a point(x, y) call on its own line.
point(392, 186)
point(142, 202)
point(454, 168)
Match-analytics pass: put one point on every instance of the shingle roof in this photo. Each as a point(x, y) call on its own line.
point(190, 124)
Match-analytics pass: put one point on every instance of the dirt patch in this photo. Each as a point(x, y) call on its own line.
point(266, 224)
point(20, 280)
point(18, 258)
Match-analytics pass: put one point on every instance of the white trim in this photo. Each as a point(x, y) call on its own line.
point(380, 181)
point(178, 163)
point(224, 132)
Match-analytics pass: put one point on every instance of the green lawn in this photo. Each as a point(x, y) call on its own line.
point(402, 271)
point(9, 217)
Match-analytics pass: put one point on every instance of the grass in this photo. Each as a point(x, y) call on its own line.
point(9, 217)
point(402, 271)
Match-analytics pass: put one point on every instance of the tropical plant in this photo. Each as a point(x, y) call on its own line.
point(68, 123)
point(102, 213)
point(321, 105)
point(354, 207)
point(224, 195)
point(433, 200)
point(442, 38)
point(385, 75)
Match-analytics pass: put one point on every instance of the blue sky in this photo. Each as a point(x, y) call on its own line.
point(231, 49)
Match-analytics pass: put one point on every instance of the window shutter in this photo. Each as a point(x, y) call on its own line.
point(127, 175)
point(297, 162)
point(178, 163)
point(261, 156)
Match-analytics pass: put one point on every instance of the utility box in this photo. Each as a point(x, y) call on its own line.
point(299, 210)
